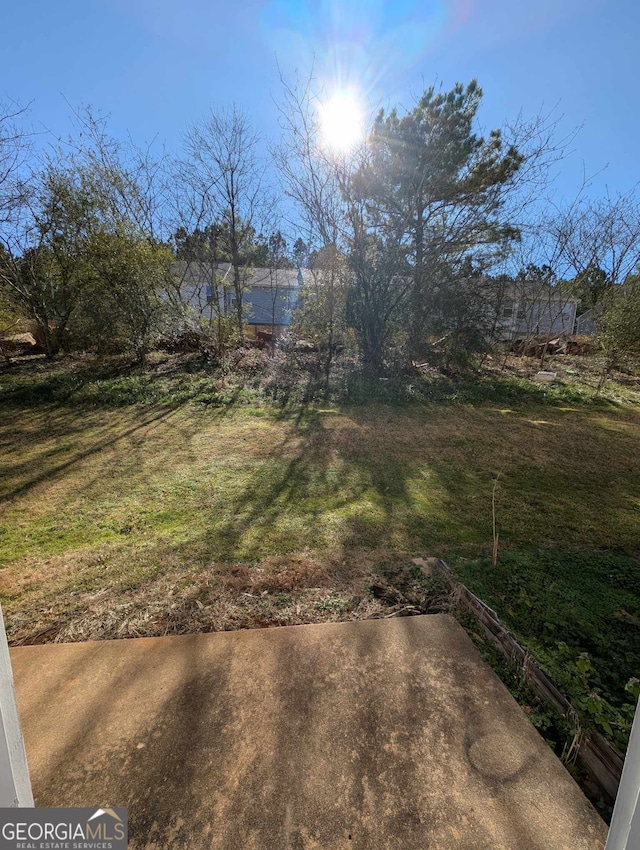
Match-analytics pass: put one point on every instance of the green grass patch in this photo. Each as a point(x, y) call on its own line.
point(578, 613)
point(488, 388)
point(116, 382)
point(172, 380)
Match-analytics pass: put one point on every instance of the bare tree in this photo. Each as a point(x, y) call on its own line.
point(308, 174)
point(223, 161)
point(131, 181)
point(586, 244)
point(537, 294)
point(278, 260)
point(15, 152)
point(198, 281)
point(602, 233)
point(315, 181)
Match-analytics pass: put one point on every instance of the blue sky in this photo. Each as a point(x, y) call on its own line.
point(154, 65)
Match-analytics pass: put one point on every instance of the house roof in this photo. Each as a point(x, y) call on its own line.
point(200, 274)
point(538, 291)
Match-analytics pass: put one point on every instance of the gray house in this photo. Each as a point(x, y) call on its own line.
point(531, 310)
point(269, 295)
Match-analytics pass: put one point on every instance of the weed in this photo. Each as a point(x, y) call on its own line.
point(579, 615)
point(332, 605)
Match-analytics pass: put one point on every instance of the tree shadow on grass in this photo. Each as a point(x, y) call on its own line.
point(71, 425)
point(307, 475)
point(358, 479)
point(36, 477)
point(381, 489)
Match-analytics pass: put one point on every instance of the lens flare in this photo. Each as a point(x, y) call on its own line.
point(342, 121)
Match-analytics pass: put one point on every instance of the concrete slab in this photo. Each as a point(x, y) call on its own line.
point(379, 734)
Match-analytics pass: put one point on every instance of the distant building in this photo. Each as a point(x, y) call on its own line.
point(530, 310)
point(586, 324)
point(270, 296)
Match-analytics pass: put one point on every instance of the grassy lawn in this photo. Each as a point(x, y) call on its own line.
point(124, 519)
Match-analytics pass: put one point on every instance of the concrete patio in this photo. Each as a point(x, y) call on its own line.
point(378, 734)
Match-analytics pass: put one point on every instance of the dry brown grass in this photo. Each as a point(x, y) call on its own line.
point(285, 590)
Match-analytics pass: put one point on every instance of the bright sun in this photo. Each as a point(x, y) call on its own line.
point(342, 121)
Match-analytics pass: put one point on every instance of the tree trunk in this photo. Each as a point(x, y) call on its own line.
point(417, 324)
point(49, 340)
point(237, 286)
point(372, 349)
point(5, 353)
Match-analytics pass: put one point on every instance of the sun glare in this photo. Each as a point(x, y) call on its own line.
point(342, 122)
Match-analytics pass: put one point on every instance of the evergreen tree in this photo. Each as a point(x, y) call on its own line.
point(437, 188)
